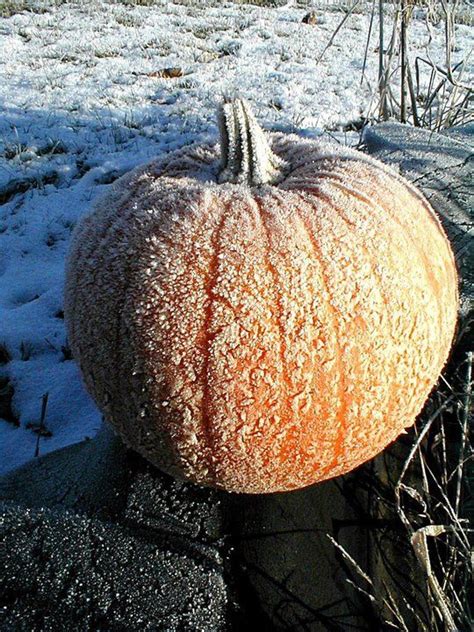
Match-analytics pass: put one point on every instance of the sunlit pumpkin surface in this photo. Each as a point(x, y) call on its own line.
point(261, 338)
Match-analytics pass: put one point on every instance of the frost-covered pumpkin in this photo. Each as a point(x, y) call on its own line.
point(264, 315)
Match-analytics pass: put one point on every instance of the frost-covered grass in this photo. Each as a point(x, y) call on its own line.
point(83, 99)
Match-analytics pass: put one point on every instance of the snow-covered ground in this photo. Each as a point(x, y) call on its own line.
point(83, 101)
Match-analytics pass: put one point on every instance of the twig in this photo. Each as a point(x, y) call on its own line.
point(44, 404)
point(367, 44)
point(383, 98)
point(414, 106)
point(466, 411)
point(403, 50)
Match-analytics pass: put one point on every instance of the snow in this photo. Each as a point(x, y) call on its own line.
point(82, 104)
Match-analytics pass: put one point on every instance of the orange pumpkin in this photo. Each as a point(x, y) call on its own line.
point(263, 323)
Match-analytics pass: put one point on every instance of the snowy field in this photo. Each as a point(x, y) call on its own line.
point(86, 95)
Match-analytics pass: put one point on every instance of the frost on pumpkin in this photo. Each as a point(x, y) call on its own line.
point(261, 338)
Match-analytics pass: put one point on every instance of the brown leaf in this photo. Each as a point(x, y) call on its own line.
point(310, 18)
point(167, 73)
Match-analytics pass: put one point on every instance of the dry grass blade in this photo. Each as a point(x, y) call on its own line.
point(415, 447)
point(366, 594)
point(337, 29)
point(350, 559)
point(392, 606)
point(367, 44)
point(420, 546)
point(466, 411)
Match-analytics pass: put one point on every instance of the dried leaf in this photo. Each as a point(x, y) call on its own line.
point(167, 73)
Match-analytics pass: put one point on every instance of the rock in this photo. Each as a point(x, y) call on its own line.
point(66, 571)
point(95, 538)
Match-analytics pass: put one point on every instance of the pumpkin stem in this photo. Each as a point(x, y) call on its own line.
point(246, 154)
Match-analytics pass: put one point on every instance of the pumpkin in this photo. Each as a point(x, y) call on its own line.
point(261, 316)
